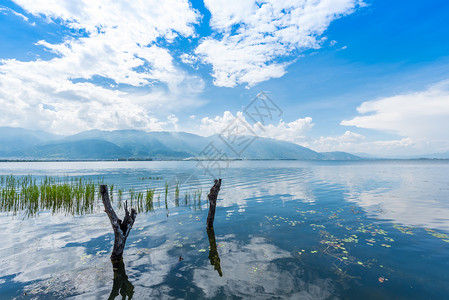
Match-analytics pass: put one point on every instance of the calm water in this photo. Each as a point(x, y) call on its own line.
point(290, 229)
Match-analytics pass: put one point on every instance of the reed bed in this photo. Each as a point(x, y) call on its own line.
point(79, 195)
point(68, 194)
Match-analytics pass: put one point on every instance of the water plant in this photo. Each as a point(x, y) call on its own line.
point(177, 194)
point(166, 194)
point(78, 195)
point(149, 199)
point(55, 194)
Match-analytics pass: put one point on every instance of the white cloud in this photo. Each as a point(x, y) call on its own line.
point(143, 20)
point(347, 137)
point(353, 142)
point(419, 116)
point(404, 142)
point(287, 131)
point(252, 36)
point(337, 143)
point(216, 125)
point(188, 59)
point(420, 120)
point(173, 120)
point(6, 10)
point(120, 47)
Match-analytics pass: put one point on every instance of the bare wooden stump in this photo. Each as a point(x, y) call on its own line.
point(121, 228)
point(213, 194)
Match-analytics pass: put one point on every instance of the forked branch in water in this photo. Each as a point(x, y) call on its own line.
point(121, 228)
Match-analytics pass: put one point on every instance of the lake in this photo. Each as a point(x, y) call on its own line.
point(283, 230)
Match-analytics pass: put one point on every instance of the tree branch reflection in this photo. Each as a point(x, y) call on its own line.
point(121, 285)
point(213, 253)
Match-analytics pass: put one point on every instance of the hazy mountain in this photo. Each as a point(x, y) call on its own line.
point(85, 149)
point(365, 155)
point(262, 148)
point(97, 144)
point(17, 139)
point(337, 155)
point(444, 155)
point(148, 144)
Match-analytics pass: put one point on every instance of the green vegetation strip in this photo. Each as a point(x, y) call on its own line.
point(76, 195)
point(68, 194)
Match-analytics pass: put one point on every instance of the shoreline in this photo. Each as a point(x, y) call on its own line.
point(236, 159)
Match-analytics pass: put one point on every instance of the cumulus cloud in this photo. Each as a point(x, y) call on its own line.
point(114, 70)
point(419, 115)
point(354, 142)
point(119, 47)
point(332, 143)
point(189, 59)
point(252, 36)
point(287, 131)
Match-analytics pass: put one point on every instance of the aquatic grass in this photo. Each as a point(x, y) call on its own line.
point(149, 194)
point(166, 194)
point(70, 195)
point(111, 190)
point(177, 194)
point(120, 197)
point(197, 199)
point(140, 200)
point(143, 200)
point(132, 195)
point(78, 195)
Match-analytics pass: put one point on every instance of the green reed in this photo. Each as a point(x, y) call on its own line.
point(149, 195)
point(26, 193)
point(78, 195)
point(166, 195)
point(177, 194)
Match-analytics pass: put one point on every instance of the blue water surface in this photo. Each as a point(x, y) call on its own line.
point(283, 230)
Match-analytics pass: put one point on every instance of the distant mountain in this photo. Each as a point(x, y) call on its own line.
point(17, 139)
point(85, 149)
point(444, 155)
point(262, 148)
point(137, 144)
point(337, 155)
point(148, 144)
point(365, 155)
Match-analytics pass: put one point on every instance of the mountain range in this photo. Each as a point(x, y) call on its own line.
point(22, 144)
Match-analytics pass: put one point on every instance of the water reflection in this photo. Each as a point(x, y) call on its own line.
point(412, 193)
point(66, 257)
point(213, 253)
point(257, 269)
point(121, 285)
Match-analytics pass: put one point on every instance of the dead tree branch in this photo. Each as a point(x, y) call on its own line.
point(213, 194)
point(121, 228)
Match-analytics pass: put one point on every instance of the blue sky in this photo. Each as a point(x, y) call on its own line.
point(349, 75)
